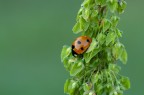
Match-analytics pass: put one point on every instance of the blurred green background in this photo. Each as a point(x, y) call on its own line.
point(32, 33)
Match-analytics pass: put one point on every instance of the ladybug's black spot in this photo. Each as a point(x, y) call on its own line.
point(79, 42)
point(88, 40)
point(82, 48)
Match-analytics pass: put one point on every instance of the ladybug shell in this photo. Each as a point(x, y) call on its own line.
point(80, 45)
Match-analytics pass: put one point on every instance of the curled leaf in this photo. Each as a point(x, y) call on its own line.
point(65, 52)
point(76, 68)
point(110, 37)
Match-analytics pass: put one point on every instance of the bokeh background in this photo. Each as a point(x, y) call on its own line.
point(32, 33)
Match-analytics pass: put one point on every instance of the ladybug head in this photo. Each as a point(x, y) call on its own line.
point(73, 52)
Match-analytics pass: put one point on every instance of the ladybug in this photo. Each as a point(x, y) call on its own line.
point(80, 45)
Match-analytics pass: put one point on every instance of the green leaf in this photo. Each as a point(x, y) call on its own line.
point(86, 3)
point(114, 20)
point(79, 13)
point(109, 54)
point(70, 62)
point(101, 38)
point(94, 62)
point(76, 29)
point(91, 93)
point(92, 45)
point(113, 5)
point(101, 2)
point(76, 68)
point(70, 86)
point(115, 93)
point(121, 7)
point(117, 50)
point(83, 24)
point(88, 33)
point(119, 90)
point(123, 56)
point(119, 33)
point(74, 85)
point(95, 78)
point(106, 25)
point(94, 13)
point(115, 68)
point(90, 55)
point(65, 52)
point(87, 86)
point(125, 82)
point(98, 2)
point(99, 88)
point(110, 38)
point(66, 85)
point(86, 13)
point(66, 65)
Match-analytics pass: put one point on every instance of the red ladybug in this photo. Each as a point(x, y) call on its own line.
point(80, 45)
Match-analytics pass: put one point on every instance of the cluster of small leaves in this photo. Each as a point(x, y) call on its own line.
point(97, 72)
